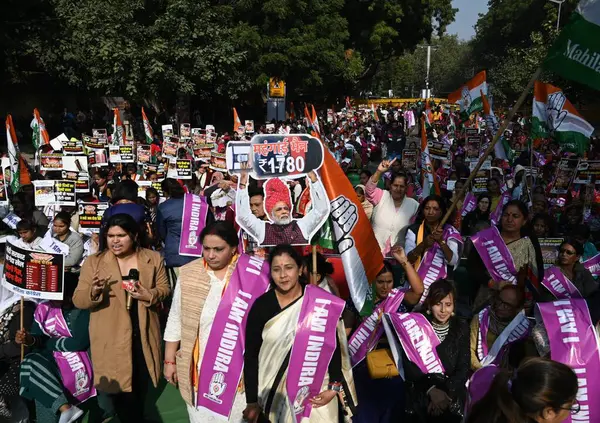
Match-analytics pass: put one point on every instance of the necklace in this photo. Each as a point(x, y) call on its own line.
point(441, 329)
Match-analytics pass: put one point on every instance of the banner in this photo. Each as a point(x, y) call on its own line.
point(564, 176)
point(574, 342)
point(54, 193)
point(368, 333)
point(549, 247)
point(409, 160)
point(495, 255)
point(195, 210)
point(314, 345)
point(90, 217)
point(51, 161)
point(35, 274)
point(223, 358)
point(121, 154)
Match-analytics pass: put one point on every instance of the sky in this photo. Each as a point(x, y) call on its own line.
point(466, 17)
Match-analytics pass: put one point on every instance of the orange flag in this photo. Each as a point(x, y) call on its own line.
point(292, 112)
point(19, 172)
point(237, 123)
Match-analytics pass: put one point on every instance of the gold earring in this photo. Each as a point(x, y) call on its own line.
point(452, 314)
point(428, 311)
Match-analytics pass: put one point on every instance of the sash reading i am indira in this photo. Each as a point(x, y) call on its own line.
point(559, 285)
point(574, 342)
point(516, 330)
point(223, 359)
point(314, 345)
point(495, 255)
point(75, 367)
point(195, 211)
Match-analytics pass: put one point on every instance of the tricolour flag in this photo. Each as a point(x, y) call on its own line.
point(19, 175)
point(352, 233)
point(314, 123)
point(554, 116)
point(118, 135)
point(348, 104)
point(469, 95)
point(375, 114)
point(147, 128)
point(237, 123)
point(576, 53)
point(40, 134)
point(428, 178)
point(492, 124)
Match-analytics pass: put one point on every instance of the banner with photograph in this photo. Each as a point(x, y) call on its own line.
point(73, 146)
point(409, 160)
point(549, 247)
point(564, 176)
point(185, 130)
point(90, 217)
point(180, 169)
point(35, 274)
point(94, 142)
point(170, 149)
point(473, 149)
point(202, 152)
point(98, 157)
point(121, 154)
point(51, 161)
point(54, 193)
point(144, 153)
point(438, 150)
point(218, 161)
point(249, 126)
point(588, 171)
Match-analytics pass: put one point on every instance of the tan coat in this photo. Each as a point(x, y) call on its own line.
point(110, 324)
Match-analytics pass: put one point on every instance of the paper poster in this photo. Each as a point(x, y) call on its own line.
point(329, 115)
point(587, 171)
point(100, 133)
point(158, 187)
point(75, 168)
point(549, 247)
point(11, 220)
point(202, 152)
point(180, 169)
point(170, 149)
point(51, 161)
point(217, 161)
point(54, 193)
point(144, 153)
point(35, 274)
point(564, 176)
point(143, 187)
point(272, 156)
point(438, 150)
point(57, 143)
point(73, 146)
point(480, 182)
point(270, 127)
point(185, 130)
point(3, 190)
point(90, 217)
point(167, 131)
point(210, 129)
point(473, 148)
point(409, 160)
point(98, 158)
point(249, 126)
point(94, 142)
point(121, 154)
point(198, 135)
point(471, 132)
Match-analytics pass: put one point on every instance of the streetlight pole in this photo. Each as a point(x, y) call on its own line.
point(560, 3)
point(429, 46)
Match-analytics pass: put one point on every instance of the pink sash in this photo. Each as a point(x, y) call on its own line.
point(314, 345)
point(497, 213)
point(469, 204)
point(518, 329)
point(75, 367)
point(558, 284)
point(359, 344)
point(433, 265)
point(195, 210)
point(495, 255)
point(574, 342)
point(418, 339)
point(593, 265)
point(223, 359)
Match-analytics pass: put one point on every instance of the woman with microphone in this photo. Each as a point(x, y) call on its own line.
point(122, 286)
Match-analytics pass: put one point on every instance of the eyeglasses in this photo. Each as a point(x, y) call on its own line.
point(568, 252)
point(504, 304)
point(574, 409)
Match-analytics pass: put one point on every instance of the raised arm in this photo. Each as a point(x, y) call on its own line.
point(372, 193)
point(320, 207)
point(250, 223)
point(413, 295)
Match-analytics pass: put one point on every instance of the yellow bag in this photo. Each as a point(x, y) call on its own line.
point(381, 364)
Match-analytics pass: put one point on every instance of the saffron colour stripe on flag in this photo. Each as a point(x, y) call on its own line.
point(237, 123)
point(40, 134)
point(575, 54)
point(147, 128)
point(352, 232)
point(469, 95)
point(118, 135)
point(428, 179)
point(554, 116)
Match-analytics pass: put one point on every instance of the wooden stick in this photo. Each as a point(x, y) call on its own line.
point(22, 324)
point(314, 265)
point(490, 148)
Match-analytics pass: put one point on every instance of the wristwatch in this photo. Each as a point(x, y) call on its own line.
point(335, 386)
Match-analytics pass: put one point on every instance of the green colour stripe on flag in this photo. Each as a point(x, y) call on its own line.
point(576, 53)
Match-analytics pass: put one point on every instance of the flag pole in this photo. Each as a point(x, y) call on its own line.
point(314, 266)
point(490, 148)
point(22, 324)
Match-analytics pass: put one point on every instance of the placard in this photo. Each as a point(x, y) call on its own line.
point(75, 168)
point(3, 190)
point(158, 187)
point(565, 173)
point(409, 160)
point(35, 274)
point(249, 126)
point(51, 161)
point(57, 143)
point(198, 135)
point(473, 148)
point(98, 157)
point(273, 156)
point(121, 154)
point(203, 151)
point(143, 187)
point(73, 146)
point(549, 247)
point(480, 182)
point(100, 133)
point(218, 161)
point(94, 142)
point(471, 132)
point(185, 130)
point(438, 150)
point(144, 153)
point(587, 171)
point(90, 217)
point(167, 131)
point(170, 149)
point(180, 169)
point(54, 193)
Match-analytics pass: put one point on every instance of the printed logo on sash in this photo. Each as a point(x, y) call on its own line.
point(195, 210)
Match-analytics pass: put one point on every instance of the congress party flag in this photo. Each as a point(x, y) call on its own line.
point(374, 111)
point(469, 95)
point(428, 179)
point(314, 122)
point(492, 124)
point(147, 128)
point(554, 116)
point(19, 175)
point(576, 53)
point(118, 135)
point(237, 123)
point(40, 134)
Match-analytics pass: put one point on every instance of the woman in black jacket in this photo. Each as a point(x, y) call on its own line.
point(481, 214)
point(436, 397)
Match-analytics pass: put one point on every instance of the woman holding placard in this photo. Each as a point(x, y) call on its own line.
point(122, 287)
point(210, 306)
point(276, 347)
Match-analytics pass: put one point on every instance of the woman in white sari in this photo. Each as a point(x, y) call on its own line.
point(270, 333)
point(205, 299)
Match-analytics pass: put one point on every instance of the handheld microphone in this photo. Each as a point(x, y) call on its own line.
point(129, 285)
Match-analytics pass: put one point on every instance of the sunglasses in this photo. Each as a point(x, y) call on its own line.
point(567, 252)
point(574, 409)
